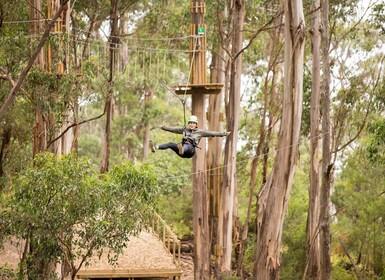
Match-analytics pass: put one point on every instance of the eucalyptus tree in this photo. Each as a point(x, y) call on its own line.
point(344, 120)
point(324, 222)
point(273, 197)
point(113, 46)
point(229, 183)
point(269, 92)
point(313, 262)
point(215, 117)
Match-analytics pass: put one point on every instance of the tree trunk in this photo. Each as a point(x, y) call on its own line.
point(36, 27)
point(146, 135)
point(200, 198)
point(232, 118)
point(200, 201)
point(200, 210)
point(214, 153)
point(77, 68)
point(326, 147)
point(5, 140)
point(313, 253)
point(268, 83)
point(123, 52)
point(114, 41)
point(273, 197)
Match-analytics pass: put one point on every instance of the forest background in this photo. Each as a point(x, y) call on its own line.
point(75, 98)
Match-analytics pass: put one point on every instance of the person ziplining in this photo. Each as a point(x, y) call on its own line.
point(191, 137)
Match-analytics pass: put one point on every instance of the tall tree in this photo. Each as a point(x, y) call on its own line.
point(327, 166)
point(268, 88)
point(200, 198)
point(214, 153)
point(228, 188)
point(313, 255)
point(273, 197)
point(148, 95)
point(113, 50)
point(218, 68)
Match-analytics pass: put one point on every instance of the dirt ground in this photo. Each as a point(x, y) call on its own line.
point(187, 267)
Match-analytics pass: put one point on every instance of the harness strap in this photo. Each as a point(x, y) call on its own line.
point(190, 142)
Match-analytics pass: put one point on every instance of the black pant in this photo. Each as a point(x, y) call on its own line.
point(188, 149)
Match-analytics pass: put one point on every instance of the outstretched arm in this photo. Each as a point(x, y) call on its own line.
point(207, 133)
point(176, 130)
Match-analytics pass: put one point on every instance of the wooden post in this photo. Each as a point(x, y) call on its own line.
point(200, 201)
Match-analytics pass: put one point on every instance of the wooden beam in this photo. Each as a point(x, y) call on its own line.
point(198, 89)
point(108, 273)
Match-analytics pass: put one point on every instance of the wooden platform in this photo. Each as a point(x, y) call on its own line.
point(198, 89)
point(130, 273)
point(144, 257)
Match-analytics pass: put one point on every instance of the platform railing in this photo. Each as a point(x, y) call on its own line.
point(165, 234)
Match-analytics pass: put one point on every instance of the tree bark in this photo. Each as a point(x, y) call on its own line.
point(326, 147)
point(273, 197)
point(214, 153)
point(313, 253)
point(232, 118)
point(146, 134)
point(5, 140)
point(200, 198)
point(114, 41)
point(123, 52)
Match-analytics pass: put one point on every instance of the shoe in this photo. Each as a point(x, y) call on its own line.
point(180, 149)
point(152, 146)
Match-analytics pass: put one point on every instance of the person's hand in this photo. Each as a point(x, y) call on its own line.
point(161, 126)
point(227, 133)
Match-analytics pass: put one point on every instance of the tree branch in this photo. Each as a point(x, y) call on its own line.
point(350, 258)
point(8, 77)
point(263, 28)
point(75, 124)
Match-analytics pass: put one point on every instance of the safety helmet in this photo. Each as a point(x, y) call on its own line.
point(193, 119)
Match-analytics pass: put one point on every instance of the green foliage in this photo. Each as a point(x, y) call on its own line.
point(305, 121)
point(7, 273)
point(180, 215)
point(17, 152)
point(13, 39)
point(341, 273)
point(360, 205)
point(378, 17)
point(66, 209)
point(89, 147)
point(376, 145)
point(50, 94)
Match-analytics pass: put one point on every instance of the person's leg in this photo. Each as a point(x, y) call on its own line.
point(170, 145)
